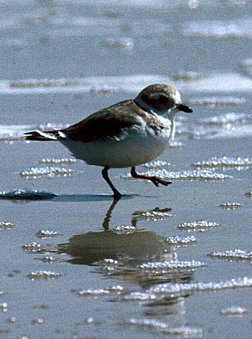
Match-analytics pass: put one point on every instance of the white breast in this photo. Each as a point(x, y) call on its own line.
point(136, 145)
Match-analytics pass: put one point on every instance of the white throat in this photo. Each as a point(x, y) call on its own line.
point(170, 114)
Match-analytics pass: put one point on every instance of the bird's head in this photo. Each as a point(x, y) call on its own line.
point(161, 99)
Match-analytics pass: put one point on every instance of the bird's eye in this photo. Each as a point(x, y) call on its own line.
point(164, 100)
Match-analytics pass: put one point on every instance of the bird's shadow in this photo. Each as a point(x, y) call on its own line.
point(89, 197)
point(27, 195)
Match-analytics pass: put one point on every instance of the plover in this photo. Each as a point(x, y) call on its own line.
point(126, 134)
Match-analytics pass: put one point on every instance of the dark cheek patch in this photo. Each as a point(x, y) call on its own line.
point(159, 103)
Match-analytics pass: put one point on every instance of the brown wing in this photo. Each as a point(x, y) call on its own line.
point(105, 124)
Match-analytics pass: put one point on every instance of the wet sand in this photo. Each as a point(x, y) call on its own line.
point(162, 261)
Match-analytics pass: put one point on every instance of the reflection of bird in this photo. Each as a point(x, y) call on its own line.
point(127, 248)
point(126, 134)
point(134, 248)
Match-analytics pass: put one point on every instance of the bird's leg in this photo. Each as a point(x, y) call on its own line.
point(117, 194)
point(156, 181)
point(107, 218)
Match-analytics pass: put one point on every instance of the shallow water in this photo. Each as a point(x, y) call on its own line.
point(173, 261)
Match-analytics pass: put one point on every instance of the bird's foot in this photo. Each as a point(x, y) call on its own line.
point(156, 181)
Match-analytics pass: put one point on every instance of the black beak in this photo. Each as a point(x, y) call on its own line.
point(184, 108)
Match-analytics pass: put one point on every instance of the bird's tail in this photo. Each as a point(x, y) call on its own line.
point(42, 135)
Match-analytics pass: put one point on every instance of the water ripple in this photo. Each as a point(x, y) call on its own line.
point(49, 161)
point(43, 234)
point(131, 84)
point(199, 226)
point(236, 254)
point(185, 289)
point(181, 241)
point(6, 225)
point(50, 172)
point(153, 215)
point(218, 101)
point(234, 311)
point(225, 119)
point(182, 331)
point(219, 29)
point(202, 175)
point(174, 265)
point(43, 275)
point(230, 205)
point(224, 162)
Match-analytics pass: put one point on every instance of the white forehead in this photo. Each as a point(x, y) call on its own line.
point(176, 96)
